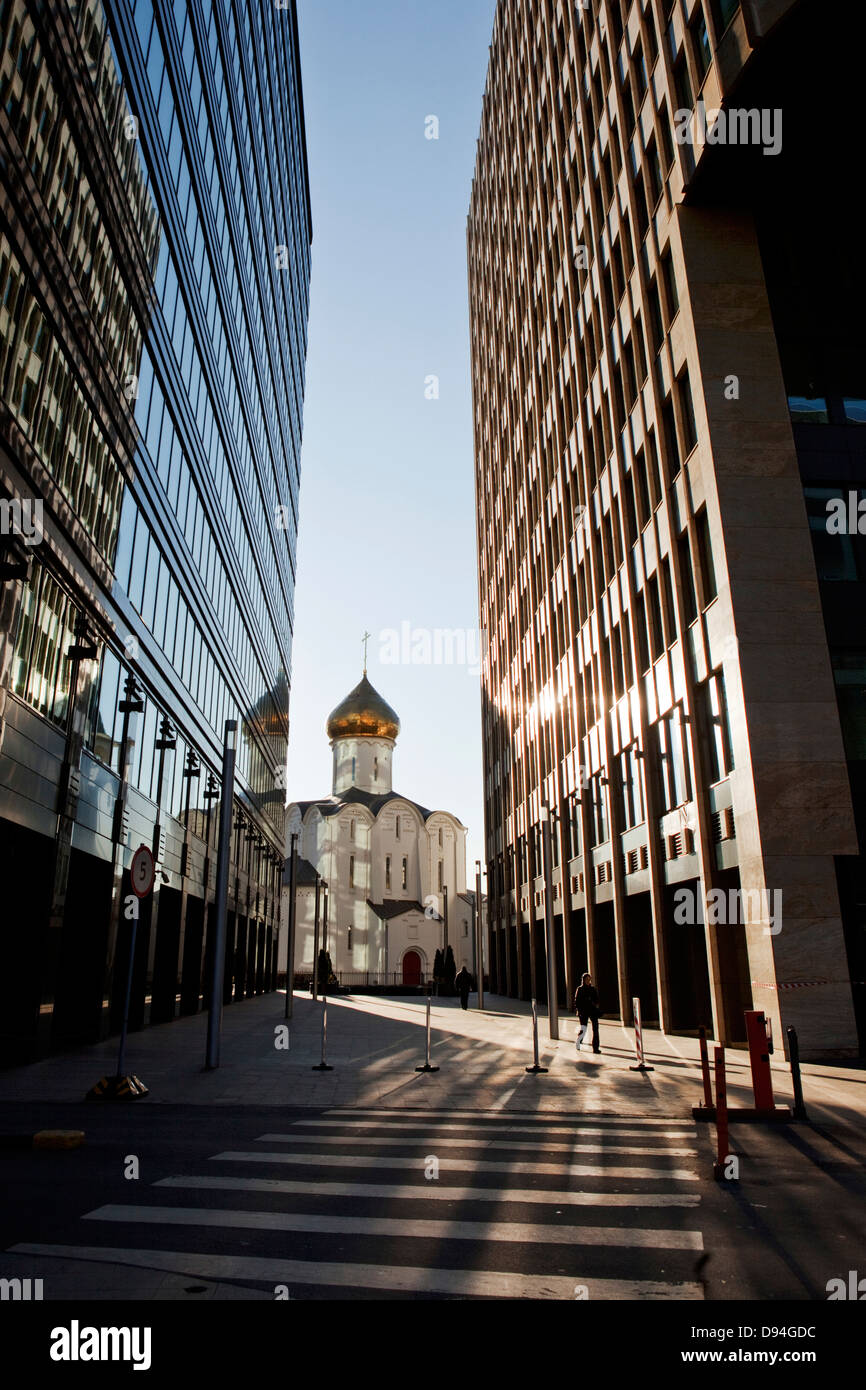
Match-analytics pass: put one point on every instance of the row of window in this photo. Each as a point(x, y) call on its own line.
point(676, 418)
point(668, 763)
point(38, 384)
point(40, 675)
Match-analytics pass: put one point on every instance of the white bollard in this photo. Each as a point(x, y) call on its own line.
point(427, 1066)
point(323, 1065)
point(536, 1068)
point(638, 1039)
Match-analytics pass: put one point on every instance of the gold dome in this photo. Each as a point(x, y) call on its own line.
point(363, 714)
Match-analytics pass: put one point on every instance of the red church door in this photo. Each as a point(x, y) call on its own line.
point(411, 968)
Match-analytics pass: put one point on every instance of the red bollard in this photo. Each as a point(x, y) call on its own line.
point(759, 1057)
point(722, 1151)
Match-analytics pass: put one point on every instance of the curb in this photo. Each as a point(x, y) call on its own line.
point(44, 1139)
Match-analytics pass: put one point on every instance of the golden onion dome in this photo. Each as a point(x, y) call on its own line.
point(363, 714)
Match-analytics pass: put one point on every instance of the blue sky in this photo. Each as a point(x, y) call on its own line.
point(387, 520)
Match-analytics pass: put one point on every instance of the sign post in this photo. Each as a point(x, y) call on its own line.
point(142, 874)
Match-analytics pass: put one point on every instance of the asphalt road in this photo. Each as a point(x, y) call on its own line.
point(260, 1203)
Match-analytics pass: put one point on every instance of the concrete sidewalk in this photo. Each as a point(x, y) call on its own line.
point(375, 1044)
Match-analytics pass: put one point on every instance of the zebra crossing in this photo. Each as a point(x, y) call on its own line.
point(391, 1204)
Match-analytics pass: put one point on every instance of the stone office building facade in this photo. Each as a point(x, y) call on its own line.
point(155, 236)
point(669, 384)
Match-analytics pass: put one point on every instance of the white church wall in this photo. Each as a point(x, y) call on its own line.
point(365, 763)
point(413, 931)
point(331, 842)
point(304, 920)
point(462, 937)
point(399, 846)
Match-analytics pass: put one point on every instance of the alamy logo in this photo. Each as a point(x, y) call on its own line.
point(854, 1290)
point(76, 1343)
point(441, 646)
point(847, 516)
point(22, 517)
point(20, 1290)
point(738, 127)
point(745, 906)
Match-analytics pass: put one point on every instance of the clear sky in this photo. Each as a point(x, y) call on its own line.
point(387, 520)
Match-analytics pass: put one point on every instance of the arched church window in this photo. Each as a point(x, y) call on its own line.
point(351, 870)
point(397, 827)
point(387, 871)
point(375, 769)
point(351, 830)
point(440, 834)
point(349, 939)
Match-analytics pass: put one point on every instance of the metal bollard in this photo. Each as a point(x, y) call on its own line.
point(427, 1066)
point(638, 1039)
point(705, 1069)
point(794, 1055)
point(722, 1136)
point(323, 1065)
point(536, 1068)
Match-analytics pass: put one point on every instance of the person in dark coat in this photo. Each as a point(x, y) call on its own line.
point(463, 984)
point(586, 1008)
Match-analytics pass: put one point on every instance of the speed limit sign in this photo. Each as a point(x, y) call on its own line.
point(142, 872)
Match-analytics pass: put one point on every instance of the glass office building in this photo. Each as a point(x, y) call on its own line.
point(155, 234)
point(667, 296)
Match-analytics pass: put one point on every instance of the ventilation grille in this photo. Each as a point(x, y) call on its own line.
point(723, 825)
point(603, 872)
point(683, 842)
point(636, 860)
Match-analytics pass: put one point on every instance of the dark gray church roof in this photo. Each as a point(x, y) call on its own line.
point(332, 805)
point(395, 907)
point(306, 873)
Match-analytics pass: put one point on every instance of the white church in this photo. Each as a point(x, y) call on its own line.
point(396, 872)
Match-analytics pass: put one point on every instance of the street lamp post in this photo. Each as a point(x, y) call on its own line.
point(316, 937)
point(325, 928)
point(552, 1000)
point(215, 1013)
point(479, 935)
point(290, 944)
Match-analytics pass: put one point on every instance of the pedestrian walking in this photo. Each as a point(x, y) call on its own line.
point(463, 984)
point(586, 1008)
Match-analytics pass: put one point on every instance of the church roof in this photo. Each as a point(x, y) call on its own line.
point(306, 873)
point(363, 714)
point(353, 796)
point(393, 907)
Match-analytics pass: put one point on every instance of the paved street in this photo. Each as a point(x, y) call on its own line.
point(375, 1043)
point(381, 1205)
point(379, 1182)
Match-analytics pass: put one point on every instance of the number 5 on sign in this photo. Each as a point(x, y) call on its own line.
point(142, 872)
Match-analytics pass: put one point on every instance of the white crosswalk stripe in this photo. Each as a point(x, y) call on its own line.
point(575, 1170)
point(419, 1223)
point(387, 1226)
point(441, 1191)
point(486, 1143)
point(388, 1278)
point(440, 1127)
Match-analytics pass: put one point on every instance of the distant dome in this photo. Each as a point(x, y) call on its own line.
point(363, 714)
